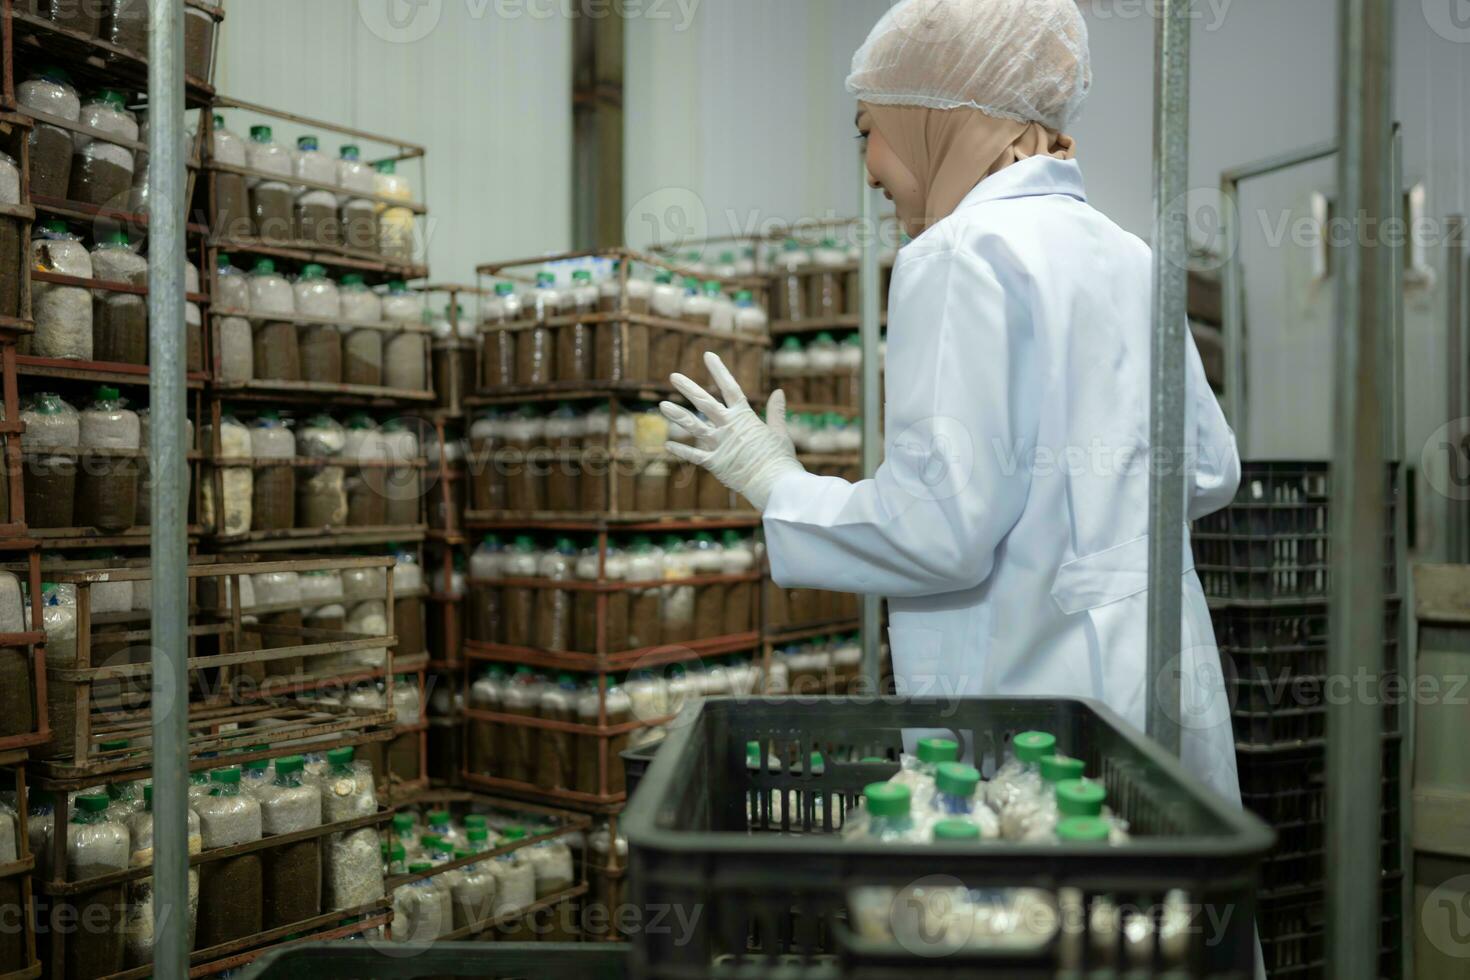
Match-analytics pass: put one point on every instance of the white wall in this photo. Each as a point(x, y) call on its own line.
point(489, 95)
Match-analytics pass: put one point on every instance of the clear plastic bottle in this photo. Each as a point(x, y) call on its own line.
point(645, 615)
point(395, 224)
point(737, 558)
point(442, 825)
point(619, 711)
point(498, 347)
point(822, 359)
point(50, 91)
point(665, 348)
point(62, 314)
point(230, 890)
point(237, 347)
point(291, 873)
point(564, 428)
point(1085, 799)
point(401, 484)
point(487, 738)
point(1035, 819)
point(277, 355)
point(408, 605)
point(825, 288)
point(918, 772)
point(697, 309)
point(321, 499)
point(556, 765)
point(487, 565)
point(418, 908)
point(474, 893)
point(515, 879)
point(97, 846)
point(535, 347)
point(847, 391)
point(722, 321)
point(523, 461)
point(790, 292)
point(554, 606)
point(102, 172)
point(887, 814)
point(273, 504)
point(1019, 778)
point(119, 320)
point(231, 217)
point(405, 353)
point(271, 200)
point(710, 599)
point(574, 341)
point(317, 222)
point(584, 602)
point(366, 505)
point(789, 369)
point(521, 696)
point(320, 344)
point(107, 486)
point(362, 347)
point(359, 213)
point(678, 600)
point(518, 600)
point(139, 929)
point(237, 482)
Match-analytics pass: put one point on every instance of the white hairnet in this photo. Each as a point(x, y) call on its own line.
point(1025, 60)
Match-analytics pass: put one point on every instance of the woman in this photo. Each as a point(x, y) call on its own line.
point(1008, 524)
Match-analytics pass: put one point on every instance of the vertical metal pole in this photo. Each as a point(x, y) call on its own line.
point(1455, 512)
point(871, 281)
point(1233, 316)
point(1365, 308)
point(1166, 395)
point(169, 541)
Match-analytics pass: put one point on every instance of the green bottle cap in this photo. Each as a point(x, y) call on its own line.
point(438, 817)
point(582, 275)
point(419, 867)
point(475, 821)
point(265, 267)
point(350, 151)
point(117, 743)
point(1080, 798)
point(107, 393)
point(397, 852)
point(117, 238)
point(1055, 768)
point(791, 343)
point(387, 166)
point(113, 98)
point(341, 756)
point(92, 802)
point(504, 288)
point(956, 779)
point(56, 225)
point(312, 271)
point(431, 842)
point(478, 836)
point(353, 279)
point(226, 777)
point(937, 750)
point(1031, 746)
point(956, 829)
point(288, 764)
point(308, 143)
point(1083, 829)
point(257, 765)
point(514, 832)
point(887, 799)
point(402, 822)
point(261, 134)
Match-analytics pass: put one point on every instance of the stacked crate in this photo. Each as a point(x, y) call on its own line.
point(1263, 562)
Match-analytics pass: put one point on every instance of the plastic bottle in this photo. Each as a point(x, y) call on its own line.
point(556, 766)
point(353, 872)
point(887, 809)
point(616, 604)
point(230, 890)
point(645, 615)
point(238, 482)
point(789, 369)
point(554, 606)
point(273, 504)
point(107, 487)
point(418, 908)
point(62, 314)
point(825, 289)
point(362, 347)
point(521, 696)
point(316, 208)
point(50, 481)
point(563, 438)
point(49, 91)
point(277, 355)
point(790, 291)
point(523, 461)
point(518, 601)
point(622, 346)
point(401, 485)
point(271, 200)
point(487, 565)
point(1035, 818)
point(102, 172)
point(395, 224)
point(321, 495)
point(119, 320)
point(822, 359)
point(515, 881)
point(574, 341)
point(711, 599)
point(405, 352)
point(359, 213)
point(1019, 778)
point(408, 606)
point(750, 323)
point(291, 873)
point(474, 892)
point(918, 772)
point(678, 600)
point(665, 347)
point(535, 347)
point(97, 846)
point(1083, 798)
point(320, 344)
point(847, 390)
point(487, 738)
point(231, 217)
point(498, 347)
point(237, 347)
point(139, 929)
point(697, 308)
point(619, 711)
point(366, 504)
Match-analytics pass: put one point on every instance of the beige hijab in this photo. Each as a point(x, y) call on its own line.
point(949, 151)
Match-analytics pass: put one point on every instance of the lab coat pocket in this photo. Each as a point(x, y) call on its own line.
point(917, 661)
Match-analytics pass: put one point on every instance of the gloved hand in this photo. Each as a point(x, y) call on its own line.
point(744, 453)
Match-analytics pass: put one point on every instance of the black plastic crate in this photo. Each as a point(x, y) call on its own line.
point(1293, 932)
point(1272, 542)
point(753, 848)
point(636, 762)
point(1286, 787)
point(384, 960)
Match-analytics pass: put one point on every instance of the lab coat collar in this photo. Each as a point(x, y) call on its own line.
point(1033, 177)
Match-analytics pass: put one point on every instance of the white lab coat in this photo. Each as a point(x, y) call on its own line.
point(1008, 524)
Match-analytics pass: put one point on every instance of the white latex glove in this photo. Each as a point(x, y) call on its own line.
point(744, 453)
